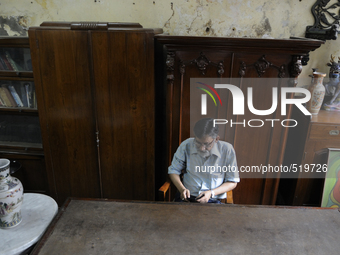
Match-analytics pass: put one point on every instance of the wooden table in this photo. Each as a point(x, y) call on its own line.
point(112, 227)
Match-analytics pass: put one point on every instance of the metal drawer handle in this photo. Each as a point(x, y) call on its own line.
point(334, 132)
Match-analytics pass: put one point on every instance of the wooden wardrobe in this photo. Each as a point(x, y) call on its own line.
point(95, 91)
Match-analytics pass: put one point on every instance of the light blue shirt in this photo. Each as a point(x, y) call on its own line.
point(205, 174)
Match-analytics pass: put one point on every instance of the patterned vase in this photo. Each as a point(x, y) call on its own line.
point(11, 197)
point(317, 91)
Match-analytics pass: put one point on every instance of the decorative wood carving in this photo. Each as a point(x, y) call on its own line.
point(261, 66)
point(243, 67)
point(202, 62)
point(170, 62)
point(182, 71)
point(296, 67)
point(282, 69)
point(182, 68)
point(220, 66)
point(89, 26)
point(304, 60)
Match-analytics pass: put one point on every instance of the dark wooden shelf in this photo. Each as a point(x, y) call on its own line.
point(18, 147)
point(14, 41)
point(19, 110)
point(19, 75)
point(276, 46)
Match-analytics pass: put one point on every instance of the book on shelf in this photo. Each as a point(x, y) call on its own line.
point(18, 94)
point(23, 95)
point(5, 60)
point(27, 60)
point(15, 59)
point(13, 64)
point(15, 96)
point(30, 95)
point(34, 95)
point(3, 63)
point(2, 103)
point(7, 97)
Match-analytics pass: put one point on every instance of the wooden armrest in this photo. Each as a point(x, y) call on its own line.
point(230, 199)
point(164, 192)
point(165, 187)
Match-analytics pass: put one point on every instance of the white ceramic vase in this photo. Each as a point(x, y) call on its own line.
point(11, 196)
point(317, 91)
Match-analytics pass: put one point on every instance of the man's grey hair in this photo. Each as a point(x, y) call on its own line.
point(205, 127)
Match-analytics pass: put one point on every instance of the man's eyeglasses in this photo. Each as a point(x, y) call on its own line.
point(206, 145)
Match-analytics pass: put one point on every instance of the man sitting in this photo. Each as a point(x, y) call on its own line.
point(210, 167)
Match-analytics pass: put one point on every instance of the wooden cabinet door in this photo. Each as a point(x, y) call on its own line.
point(61, 66)
point(96, 90)
point(123, 63)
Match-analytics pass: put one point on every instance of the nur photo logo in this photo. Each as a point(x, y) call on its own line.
point(204, 97)
point(242, 101)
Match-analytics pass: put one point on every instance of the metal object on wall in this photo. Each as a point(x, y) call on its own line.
point(326, 21)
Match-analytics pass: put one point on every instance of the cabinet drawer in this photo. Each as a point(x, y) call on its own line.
point(320, 131)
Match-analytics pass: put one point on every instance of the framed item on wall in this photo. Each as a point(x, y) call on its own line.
point(331, 190)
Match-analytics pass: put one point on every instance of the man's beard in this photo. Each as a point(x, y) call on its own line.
point(204, 154)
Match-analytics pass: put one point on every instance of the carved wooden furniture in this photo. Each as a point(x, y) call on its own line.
point(307, 144)
point(185, 57)
point(95, 88)
point(97, 227)
point(20, 135)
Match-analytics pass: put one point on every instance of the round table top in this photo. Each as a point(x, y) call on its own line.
point(37, 212)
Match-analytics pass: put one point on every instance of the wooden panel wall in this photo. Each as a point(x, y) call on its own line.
point(204, 57)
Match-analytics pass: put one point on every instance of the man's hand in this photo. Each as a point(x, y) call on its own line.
point(185, 193)
point(204, 197)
